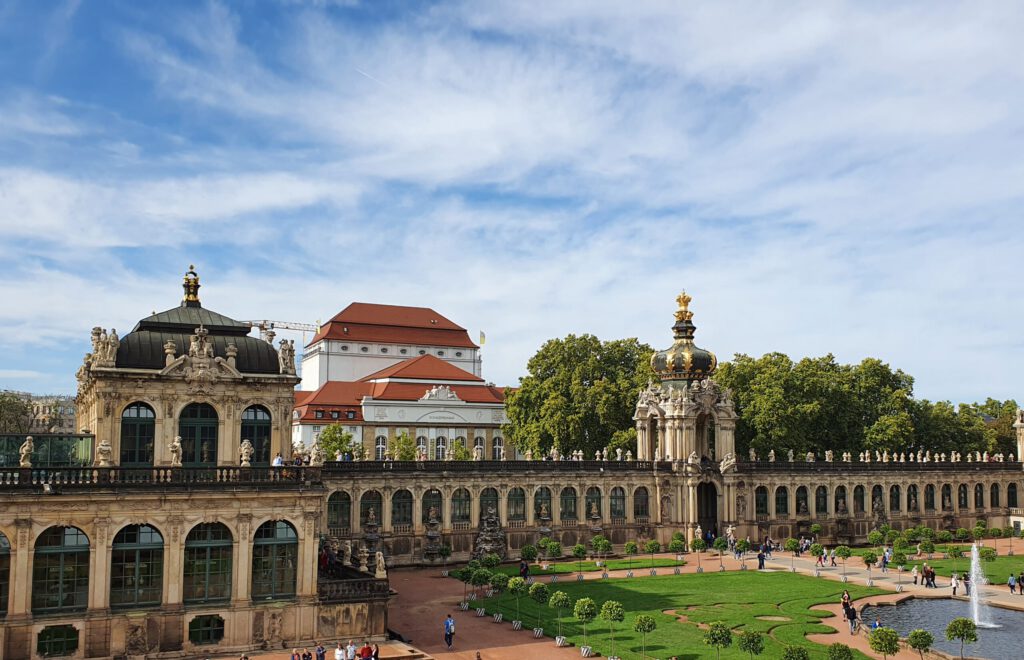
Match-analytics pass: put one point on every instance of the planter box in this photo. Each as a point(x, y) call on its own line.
point(538, 632)
point(654, 571)
point(579, 578)
point(517, 625)
point(586, 652)
point(464, 605)
point(604, 576)
point(561, 641)
point(498, 616)
point(675, 571)
point(629, 573)
point(444, 573)
point(481, 611)
point(869, 583)
point(700, 569)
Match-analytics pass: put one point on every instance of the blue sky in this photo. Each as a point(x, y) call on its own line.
point(821, 177)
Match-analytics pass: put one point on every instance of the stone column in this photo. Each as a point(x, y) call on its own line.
point(630, 518)
point(581, 505)
point(417, 511)
point(641, 440)
point(20, 592)
point(531, 515)
point(385, 514)
point(241, 567)
point(446, 509)
point(689, 437)
point(307, 556)
point(174, 554)
point(99, 565)
point(503, 506)
point(691, 502)
point(474, 507)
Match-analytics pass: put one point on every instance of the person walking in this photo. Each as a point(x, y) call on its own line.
point(365, 652)
point(339, 653)
point(1012, 583)
point(449, 632)
point(832, 556)
point(1020, 583)
point(350, 651)
point(295, 655)
point(306, 655)
point(376, 652)
point(320, 652)
point(954, 582)
point(851, 616)
point(967, 584)
point(760, 560)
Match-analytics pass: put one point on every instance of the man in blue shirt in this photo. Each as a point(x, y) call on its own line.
point(449, 631)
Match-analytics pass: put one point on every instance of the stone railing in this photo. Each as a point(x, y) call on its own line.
point(352, 586)
point(876, 466)
point(56, 479)
point(339, 468)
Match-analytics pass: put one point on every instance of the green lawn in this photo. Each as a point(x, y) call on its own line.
point(566, 566)
point(997, 570)
point(736, 598)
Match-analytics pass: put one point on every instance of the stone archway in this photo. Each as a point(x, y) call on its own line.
point(707, 508)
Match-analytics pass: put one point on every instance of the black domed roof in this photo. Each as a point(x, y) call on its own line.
point(683, 361)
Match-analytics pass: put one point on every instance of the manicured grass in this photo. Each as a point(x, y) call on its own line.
point(735, 598)
point(997, 570)
point(566, 566)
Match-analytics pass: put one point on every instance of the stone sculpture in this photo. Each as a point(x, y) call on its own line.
point(381, 571)
point(25, 453)
point(175, 449)
point(245, 452)
point(103, 453)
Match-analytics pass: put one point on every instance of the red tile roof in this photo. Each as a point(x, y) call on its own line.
point(394, 324)
point(424, 367)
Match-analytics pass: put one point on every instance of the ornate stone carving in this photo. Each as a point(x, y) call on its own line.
point(245, 453)
point(25, 453)
point(103, 453)
point(440, 393)
point(286, 356)
point(175, 449)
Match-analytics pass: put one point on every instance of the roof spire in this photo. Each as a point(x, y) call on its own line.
point(191, 286)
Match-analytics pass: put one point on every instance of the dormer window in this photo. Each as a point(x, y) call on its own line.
point(319, 414)
point(351, 414)
point(334, 414)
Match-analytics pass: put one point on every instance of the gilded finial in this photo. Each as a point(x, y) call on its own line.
point(683, 313)
point(191, 286)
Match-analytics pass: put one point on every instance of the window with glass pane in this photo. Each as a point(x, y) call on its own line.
point(781, 501)
point(761, 501)
point(339, 513)
point(488, 500)
point(440, 448)
point(136, 567)
point(5, 572)
point(617, 502)
point(275, 554)
point(432, 505)
point(801, 499)
point(641, 503)
point(478, 443)
point(496, 445)
point(516, 504)
point(979, 495)
point(961, 496)
point(207, 575)
point(207, 629)
point(542, 503)
point(858, 499)
point(197, 427)
point(256, 429)
point(912, 498)
point(593, 502)
point(138, 432)
point(55, 641)
point(460, 506)
point(894, 498)
point(1011, 496)
point(381, 447)
point(371, 499)
point(993, 498)
point(421, 446)
point(60, 571)
point(401, 508)
point(929, 497)
point(821, 500)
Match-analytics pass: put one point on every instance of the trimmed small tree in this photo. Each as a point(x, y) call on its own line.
point(528, 553)
point(719, 636)
point(721, 544)
point(490, 561)
point(870, 559)
point(793, 546)
point(539, 594)
point(612, 612)
point(445, 551)
point(585, 610)
point(816, 550)
point(516, 588)
point(553, 549)
point(995, 534)
point(465, 576)
point(597, 545)
point(962, 534)
point(795, 653)
point(499, 581)
point(839, 651)
point(920, 640)
point(559, 601)
point(480, 577)
point(630, 548)
point(900, 560)
point(964, 630)
point(677, 547)
point(743, 547)
point(875, 538)
point(928, 547)
point(751, 642)
point(885, 641)
point(644, 624)
point(652, 547)
point(844, 553)
point(579, 551)
point(698, 546)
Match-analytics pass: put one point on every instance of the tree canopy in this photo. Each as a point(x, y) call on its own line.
point(15, 413)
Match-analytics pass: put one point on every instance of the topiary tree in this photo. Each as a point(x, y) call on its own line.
point(751, 642)
point(844, 553)
point(995, 534)
point(539, 593)
point(928, 547)
point(892, 535)
point(962, 534)
point(815, 530)
point(698, 546)
point(553, 549)
point(913, 535)
point(652, 547)
point(978, 533)
point(870, 559)
point(597, 545)
point(743, 547)
point(792, 545)
point(900, 560)
point(612, 612)
point(816, 550)
point(630, 549)
point(528, 553)
point(920, 640)
point(678, 536)
point(585, 610)
point(963, 629)
point(516, 588)
point(579, 551)
point(839, 651)
point(875, 538)
point(605, 548)
point(558, 602)
point(795, 653)
point(445, 551)
point(490, 561)
point(677, 547)
point(944, 536)
point(885, 641)
point(480, 577)
point(987, 554)
point(644, 624)
point(499, 581)
point(465, 576)
point(719, 636)
point(721, 545)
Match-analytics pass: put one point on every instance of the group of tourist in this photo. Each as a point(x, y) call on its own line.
point(348, 652)
point(927, 577)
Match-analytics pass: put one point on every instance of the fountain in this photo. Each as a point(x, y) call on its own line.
point(979, 612)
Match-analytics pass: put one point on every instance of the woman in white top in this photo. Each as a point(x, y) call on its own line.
point(914, 573)
point(954, 582)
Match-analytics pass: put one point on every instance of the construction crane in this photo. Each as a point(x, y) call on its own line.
point(266, 327)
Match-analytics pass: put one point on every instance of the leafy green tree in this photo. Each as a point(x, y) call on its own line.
point(479, 578)
point(875, 538)
point(559, 601)
point(460, 452)
point(815, 530)
point(721, 544)
point(630, 548)
point(579, 551)
point(844, 552)
point(445, 551)
point(465, 576)
point(499, 581)
point(839, 651)
point(920, 640)
point(644, 624)
point(964, 630)
point(490, 561)
point(979, 533)
point(539, 594)
point(900, 560)
point(612, 612)
point(817, 549)
point(743, 547)
point(553, 549)
point(517, 588)
point(751, 642)
point(677, 547)
point(719, 636)
point(944, 536)
point(604, 548)
point(596, 544)
point(652, 547)
point(870, 559)
point(793, 546)
point(885, 641)
point(698, 546)
point(795, 653)
point(528, 552)
point(585, 610)
point(334, 438)
point(927, 547)
point(15, 414)
point(987, 554)
point(578, 393)
point(403, 448)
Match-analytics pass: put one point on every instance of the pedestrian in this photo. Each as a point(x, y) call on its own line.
point(760, 560)
point(449, 632)
point(278, 460)
point(306, 655)
point(524, 569)
point(1020, 581)
point(914, 574)
point(366, 652)
point(350, 651)
point(320, 651)
point(295, 655)
point(967, 584)
point(1012, 583)
point(339, 653)
point(832, 556)
point(376, 652)
point(954, 582)
point(877, 624)
point(851, 616)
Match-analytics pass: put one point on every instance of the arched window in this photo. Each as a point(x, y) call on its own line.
point(761, 501)
point(617, 503)
point(256, 429)
point(912, 498)
point(929, 497)
point(894, 498)
point(488, 500)
point(137, 567)
point(594, 508)
point(460, 441)
point(370, 506)
point(567, 504)
point(432, 506)
point(1011, 496)
point(440, 448)
point(801, 501)
point(339, 514)
point(275, 555)
point(821, 501)
point(497, 444)
point(60, 571)
point(947, 497)
point(962, 500)
point(380, 450)
point(197, 427)
point(516, 504)
point(208, 550)
point(138, 432)
point(461, 506)
point(858, 499)
point(993, 498)
point(5, 572)
point(781, 501)
point(401, 507)
point(479, 444)
point(876, 497)
point(542, 503)
point(641, 503)
point(842, 507)
point(979, 496)
point(421, 447)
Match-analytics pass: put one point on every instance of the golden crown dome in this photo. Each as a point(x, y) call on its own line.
point(683, 360)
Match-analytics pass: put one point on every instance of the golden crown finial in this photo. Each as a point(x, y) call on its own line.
point(684, 313)
point(191, 286)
